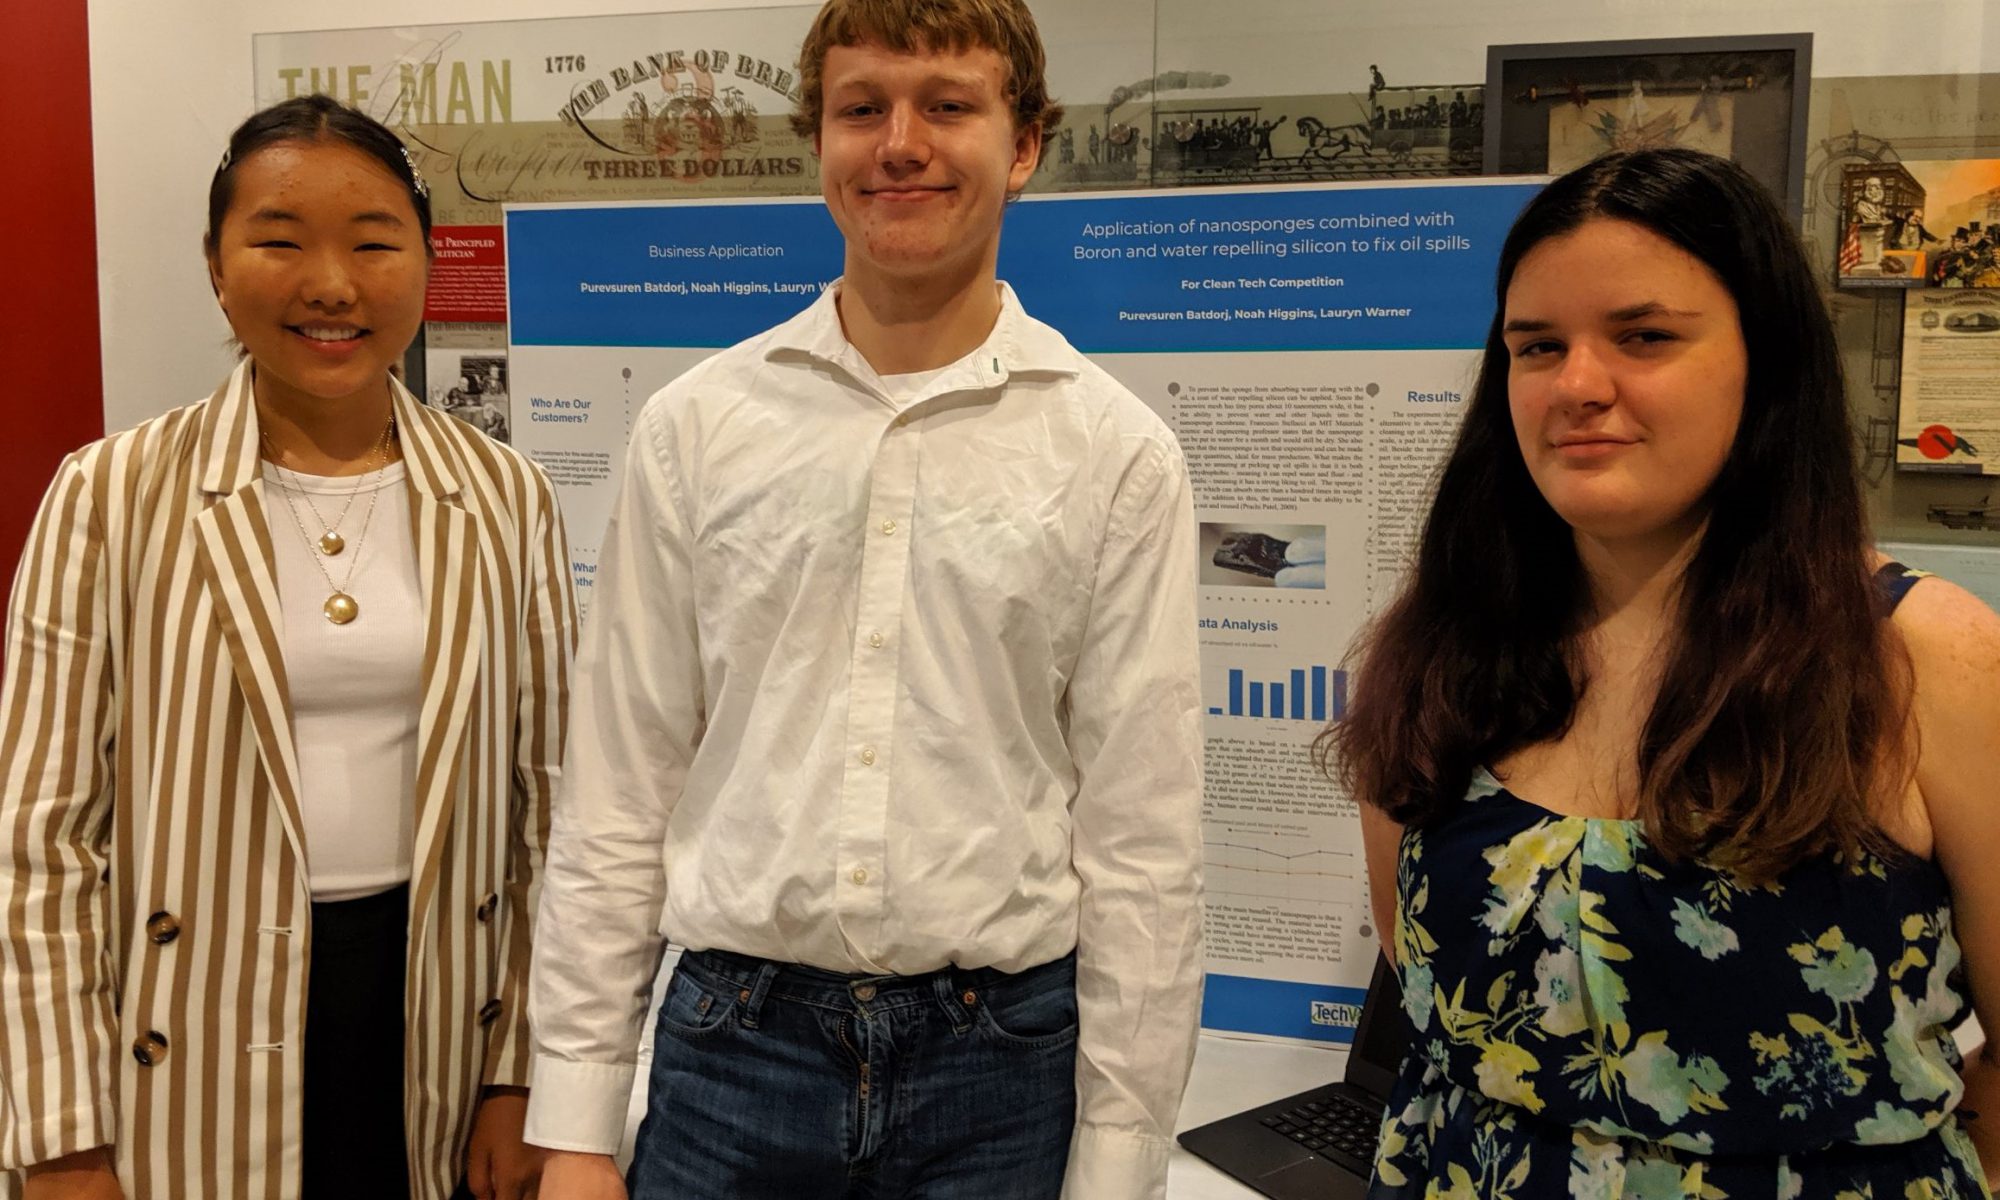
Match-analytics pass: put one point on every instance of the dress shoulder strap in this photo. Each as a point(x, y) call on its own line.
point(1893, 581)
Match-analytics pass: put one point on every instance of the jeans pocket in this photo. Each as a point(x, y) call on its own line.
point(696, 1007)
point(1030, 1017)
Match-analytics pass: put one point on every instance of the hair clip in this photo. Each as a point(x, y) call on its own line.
point(416, 176)
point(224, 164)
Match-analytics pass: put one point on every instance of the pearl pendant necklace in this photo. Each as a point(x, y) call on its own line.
point(340, 608)
point(331, 543)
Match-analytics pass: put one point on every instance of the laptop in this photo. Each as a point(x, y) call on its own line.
point(1319, 1144)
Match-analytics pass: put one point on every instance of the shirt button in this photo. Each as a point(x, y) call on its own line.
point(860, 875)
point(888, 527)
point(875, 640)
point(868, 756)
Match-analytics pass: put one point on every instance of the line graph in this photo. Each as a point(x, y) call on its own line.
point(1288, 870)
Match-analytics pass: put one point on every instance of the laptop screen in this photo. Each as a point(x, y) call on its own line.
point(1382, 1035)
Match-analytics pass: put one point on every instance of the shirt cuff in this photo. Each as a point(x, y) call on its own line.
point(578, 1106)
point(1111, 1164)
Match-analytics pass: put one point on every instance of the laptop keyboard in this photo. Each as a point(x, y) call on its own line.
point(1336, 1126)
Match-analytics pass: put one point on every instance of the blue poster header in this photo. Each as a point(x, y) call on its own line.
point(1187, 271)
point(664, 274)
point(1320, 1012)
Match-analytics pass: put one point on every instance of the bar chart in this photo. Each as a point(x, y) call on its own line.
point(1312, 693)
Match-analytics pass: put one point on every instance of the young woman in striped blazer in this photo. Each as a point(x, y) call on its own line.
point(282, 714)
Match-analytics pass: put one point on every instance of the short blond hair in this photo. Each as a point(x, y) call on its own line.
point(1005, 27)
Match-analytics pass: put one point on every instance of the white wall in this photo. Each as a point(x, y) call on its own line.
point(1442, 41)
point(170, 79)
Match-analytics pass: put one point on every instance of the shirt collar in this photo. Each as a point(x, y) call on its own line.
point(1018, 344)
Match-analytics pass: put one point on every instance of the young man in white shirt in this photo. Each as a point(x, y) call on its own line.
point(887, 709)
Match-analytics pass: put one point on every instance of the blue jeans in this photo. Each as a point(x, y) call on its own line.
point(778, 1082)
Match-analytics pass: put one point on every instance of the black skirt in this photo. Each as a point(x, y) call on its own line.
point(353, 1135)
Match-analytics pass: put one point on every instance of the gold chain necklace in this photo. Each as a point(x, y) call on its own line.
point(331, 542)
point(340, 607)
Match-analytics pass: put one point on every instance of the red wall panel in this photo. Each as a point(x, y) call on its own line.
point(53, 398)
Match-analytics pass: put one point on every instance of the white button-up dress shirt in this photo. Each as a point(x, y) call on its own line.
point(885, 685)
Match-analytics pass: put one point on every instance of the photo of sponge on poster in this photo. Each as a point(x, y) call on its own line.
point(1263, 555)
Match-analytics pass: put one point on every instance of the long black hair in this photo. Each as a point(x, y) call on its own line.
point(1784, 696)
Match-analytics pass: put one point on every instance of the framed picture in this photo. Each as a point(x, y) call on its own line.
point(1916, 224)
point(1555, 106)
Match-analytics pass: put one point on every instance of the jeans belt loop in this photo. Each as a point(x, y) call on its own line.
point(944, 985)
point(753, 1005)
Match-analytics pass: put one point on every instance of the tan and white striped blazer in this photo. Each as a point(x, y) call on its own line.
point(154, 911)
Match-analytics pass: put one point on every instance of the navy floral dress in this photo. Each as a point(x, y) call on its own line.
point(1593, 1021)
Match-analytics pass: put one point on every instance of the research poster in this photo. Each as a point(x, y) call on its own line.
point(1311, 347)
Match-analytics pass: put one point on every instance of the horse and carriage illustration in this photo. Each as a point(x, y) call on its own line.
point(1424, 130)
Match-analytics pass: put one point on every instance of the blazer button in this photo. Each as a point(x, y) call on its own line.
point(163, 927)
point(487, 907)
point(489, 1012)
point(150, 1048)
